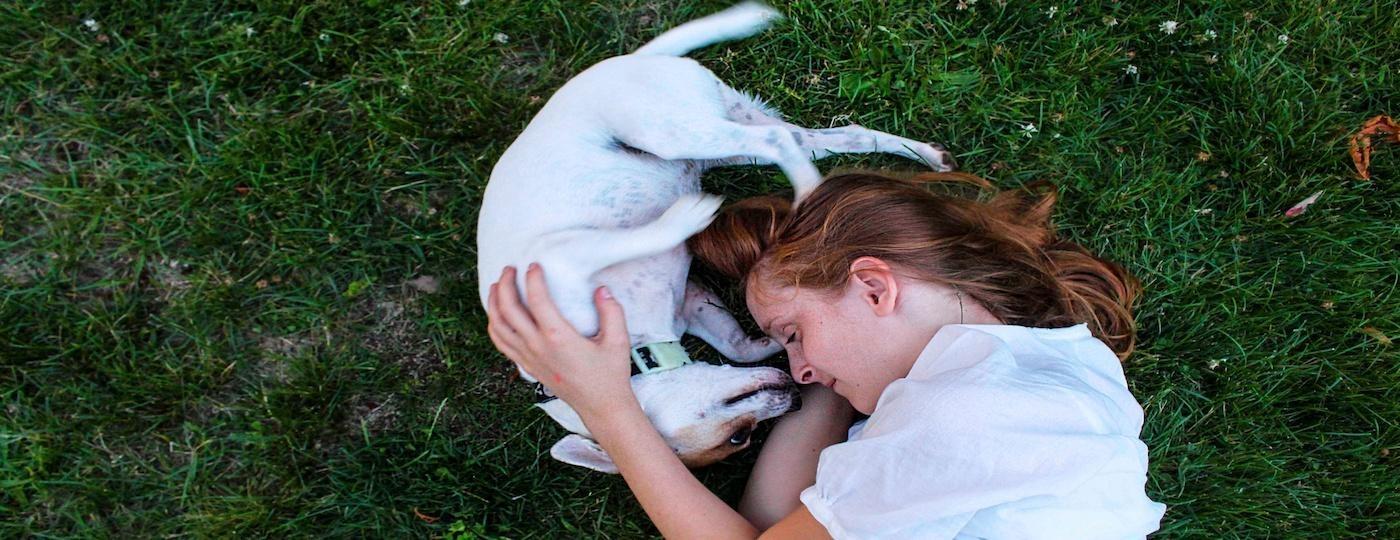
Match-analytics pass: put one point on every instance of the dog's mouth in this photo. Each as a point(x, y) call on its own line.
point(756, 391)
point(795, 396)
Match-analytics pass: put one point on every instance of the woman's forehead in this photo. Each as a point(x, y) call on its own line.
point(767, 302)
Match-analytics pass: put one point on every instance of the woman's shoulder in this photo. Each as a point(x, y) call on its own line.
point(975, 353)
point(1001, 377)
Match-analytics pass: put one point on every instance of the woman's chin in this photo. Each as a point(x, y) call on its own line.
point(859, 403)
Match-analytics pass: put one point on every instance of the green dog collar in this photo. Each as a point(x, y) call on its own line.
point(649, 358)
point(660, 356)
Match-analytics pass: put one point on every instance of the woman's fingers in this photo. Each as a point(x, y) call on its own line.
point(512, 313)
point(612, 324)
point(541, 305)
point(515, 356)
point(502, 335)
point(504, 343)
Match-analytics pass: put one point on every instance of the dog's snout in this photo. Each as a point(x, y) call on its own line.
point(794, 400)
point(778, 384)
point(776, 376)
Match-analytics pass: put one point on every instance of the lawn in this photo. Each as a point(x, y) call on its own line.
point(237, 282)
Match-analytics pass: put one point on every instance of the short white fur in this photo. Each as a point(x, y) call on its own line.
point(603, 188)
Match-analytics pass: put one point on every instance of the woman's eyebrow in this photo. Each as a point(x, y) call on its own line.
point(767, 330)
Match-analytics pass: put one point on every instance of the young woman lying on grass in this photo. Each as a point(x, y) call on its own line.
point(984, 349)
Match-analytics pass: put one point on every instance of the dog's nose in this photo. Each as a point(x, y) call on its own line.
point(795, 400)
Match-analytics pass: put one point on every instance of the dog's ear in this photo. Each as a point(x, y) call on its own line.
point(584, 452)
point(564, 414)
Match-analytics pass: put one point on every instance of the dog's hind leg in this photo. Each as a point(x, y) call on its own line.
point(822, 143)
point(586, 251)
point(571, 258)
point(701, 138)
point(708, 319)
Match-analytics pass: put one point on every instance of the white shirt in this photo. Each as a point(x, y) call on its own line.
point(997, 432)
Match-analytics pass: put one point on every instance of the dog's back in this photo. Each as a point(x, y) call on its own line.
point(565, 171)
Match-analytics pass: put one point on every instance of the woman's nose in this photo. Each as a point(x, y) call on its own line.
point(802, 372)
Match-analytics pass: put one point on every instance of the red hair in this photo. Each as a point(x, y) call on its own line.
point(1002, 252)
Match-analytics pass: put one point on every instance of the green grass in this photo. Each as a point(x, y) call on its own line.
point(206, 327)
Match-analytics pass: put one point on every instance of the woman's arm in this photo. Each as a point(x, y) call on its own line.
point(678, 504)
point(788, 462)
point(591, 375)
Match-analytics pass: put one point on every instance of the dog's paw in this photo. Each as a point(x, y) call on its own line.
point(756, 349)
point(690, 214)
point(936, 157)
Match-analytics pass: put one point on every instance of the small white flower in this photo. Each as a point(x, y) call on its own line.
point(404, 88)
point(324, 37)
point(249, 31)
point(1131, 69)
point(1212, 59)
point(501, 37)
point(463, 3)
point(91, 25)
point(1210, 34)
point(1050, 13)
point(1110, 21)
point(1213, 364)
point(1168, 27)
point(1283, 38)
point(1029, 130)
point(1204, 211)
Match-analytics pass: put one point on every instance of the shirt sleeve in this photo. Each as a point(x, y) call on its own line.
point(938, 452)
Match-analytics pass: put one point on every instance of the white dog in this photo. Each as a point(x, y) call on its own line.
point(603, 188)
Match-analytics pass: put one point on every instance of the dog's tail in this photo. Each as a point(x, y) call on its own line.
point(737, 22)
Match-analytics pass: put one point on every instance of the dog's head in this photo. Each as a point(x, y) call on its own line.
point(704, 412)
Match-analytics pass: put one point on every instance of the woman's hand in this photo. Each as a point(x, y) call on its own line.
point(592, 375)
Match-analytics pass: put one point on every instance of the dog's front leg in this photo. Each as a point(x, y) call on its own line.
point(708, 319)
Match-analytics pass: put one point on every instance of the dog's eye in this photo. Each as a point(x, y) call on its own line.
point(740, 437)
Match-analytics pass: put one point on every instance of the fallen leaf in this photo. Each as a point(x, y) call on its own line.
point(1303, 205)
point(1378, 334)
point(424, 517)
point(1361, 142)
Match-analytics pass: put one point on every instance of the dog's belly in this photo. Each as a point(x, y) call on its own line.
point(652, 292)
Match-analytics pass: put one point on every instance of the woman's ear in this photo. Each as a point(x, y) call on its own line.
point(873, 280)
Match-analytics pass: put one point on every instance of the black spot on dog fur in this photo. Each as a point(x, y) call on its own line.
point(624, 147)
